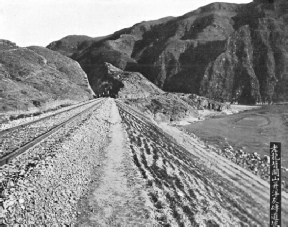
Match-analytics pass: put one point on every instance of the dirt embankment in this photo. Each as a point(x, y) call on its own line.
point(164, 108)
point(190, 184)
point(250, 131)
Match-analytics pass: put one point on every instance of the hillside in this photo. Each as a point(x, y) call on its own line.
point(118, 83)
point(139, 92)
point(33, 76)
point(72, 43)
point(7, 45)
point(165, 107)
point(228, 52)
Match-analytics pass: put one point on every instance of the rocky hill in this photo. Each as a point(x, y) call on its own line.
point(7, 45)
point(165, 107)
point(115, 82)
point(72, 44)
point(228, 52)
point(35, 75)
point(139, 92)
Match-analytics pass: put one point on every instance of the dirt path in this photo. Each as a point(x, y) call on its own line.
point(118, 198)
point(152, 176)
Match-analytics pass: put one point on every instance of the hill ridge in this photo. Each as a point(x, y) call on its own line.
point(33, 76)
point(224, 51)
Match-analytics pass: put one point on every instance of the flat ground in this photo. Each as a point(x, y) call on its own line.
point(251, 130)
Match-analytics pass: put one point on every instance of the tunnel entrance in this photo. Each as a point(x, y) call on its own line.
point(109, 88)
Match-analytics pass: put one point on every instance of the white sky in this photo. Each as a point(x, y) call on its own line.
point(39, 22)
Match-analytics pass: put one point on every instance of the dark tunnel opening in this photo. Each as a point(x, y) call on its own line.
point(109, 88)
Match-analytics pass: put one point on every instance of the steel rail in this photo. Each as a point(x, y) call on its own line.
point(41, 119)
point(7, 158)
point(238, 170)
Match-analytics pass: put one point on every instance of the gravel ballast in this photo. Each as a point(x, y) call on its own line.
point(16, 137)
point(43, 186)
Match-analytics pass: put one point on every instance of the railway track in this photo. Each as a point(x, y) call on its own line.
point(164, 156)
point(9, 129)
point(43, 185)
point(16, 140)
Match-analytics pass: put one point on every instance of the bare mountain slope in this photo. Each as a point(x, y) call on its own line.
point(222, 51)
point(35, 75)
point(7, 45)
point(113, 81)
point(139, 92)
